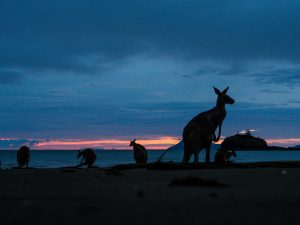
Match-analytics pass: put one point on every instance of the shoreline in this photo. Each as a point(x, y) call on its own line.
point(179, 166)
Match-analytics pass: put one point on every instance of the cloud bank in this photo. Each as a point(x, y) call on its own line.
point(84, 69)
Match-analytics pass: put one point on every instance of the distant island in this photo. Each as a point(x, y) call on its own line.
point(245, 141)
point(248, 142)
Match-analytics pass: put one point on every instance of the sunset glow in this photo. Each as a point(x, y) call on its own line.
point(150, 142)
point(284, 141)
point(154, 143)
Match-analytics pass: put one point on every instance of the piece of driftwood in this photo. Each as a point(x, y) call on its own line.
point(189, 166)
point(180, 166)
point(196, 181)
point(18, 168)
point(183, 166)
point(130, 166)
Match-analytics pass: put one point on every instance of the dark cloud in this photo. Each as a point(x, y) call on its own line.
point(273, 122)
point(9, 77)
point(274, 91)
point(282, 76)
point(16, 143)
point(100, 120)
point(263, 72)
point(54, 34)
point(249, 46)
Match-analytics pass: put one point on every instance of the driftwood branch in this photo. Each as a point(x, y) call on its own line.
point(192, 166)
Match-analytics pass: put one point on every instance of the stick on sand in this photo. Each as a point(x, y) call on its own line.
point(162, 155)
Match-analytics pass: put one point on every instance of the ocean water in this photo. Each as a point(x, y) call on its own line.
point(63, 158)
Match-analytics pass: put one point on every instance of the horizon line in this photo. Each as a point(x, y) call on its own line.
point(151, 143)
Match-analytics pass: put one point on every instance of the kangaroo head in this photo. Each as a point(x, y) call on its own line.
point(24, 148)
point(223, 98)
point(132, 143)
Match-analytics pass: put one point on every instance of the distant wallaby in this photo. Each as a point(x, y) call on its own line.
point(224, 155)
point(139, 152)
point(23, 156)
point(200, 131)
point(88, 157)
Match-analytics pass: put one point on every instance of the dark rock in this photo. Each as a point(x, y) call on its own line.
point(141, 194)
point(214, 194)
point(243, 142)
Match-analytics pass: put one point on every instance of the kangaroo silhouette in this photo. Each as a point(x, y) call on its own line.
point(200, 131)
point(224, 155)
point(139, 152)
point(88, 157)
point(23, 156)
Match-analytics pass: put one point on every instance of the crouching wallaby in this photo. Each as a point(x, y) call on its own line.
point(224, 156)
point(200, 131)
point(23, 156)
point(88, 157)
point(139, 152)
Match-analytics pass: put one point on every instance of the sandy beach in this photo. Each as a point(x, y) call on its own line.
point(142, 196)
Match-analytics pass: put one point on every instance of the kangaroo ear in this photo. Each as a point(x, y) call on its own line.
point(217, 91)
point(134, 140)
point(225, 91)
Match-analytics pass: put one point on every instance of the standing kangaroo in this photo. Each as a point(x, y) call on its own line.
point(23, 156)
point(140, 152)
point(200, 131)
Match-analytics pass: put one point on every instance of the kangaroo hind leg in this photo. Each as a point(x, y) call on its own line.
point(207, 156)
point(186, 157)
point(186, 152)
point(196, 157)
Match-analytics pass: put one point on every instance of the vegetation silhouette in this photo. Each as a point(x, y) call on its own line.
point(88, 157)
point(244, 142)
point(23, 156)
point(139, 152)
point(200, 131)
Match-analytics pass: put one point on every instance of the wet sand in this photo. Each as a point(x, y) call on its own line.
point(141, 196)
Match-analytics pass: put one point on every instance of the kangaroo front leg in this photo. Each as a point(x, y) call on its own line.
point(216, 139)
point(196, 158)
point(186, 157)
point(207, 157)
point(90, 164)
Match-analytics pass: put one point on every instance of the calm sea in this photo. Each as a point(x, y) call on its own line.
point(63, 158)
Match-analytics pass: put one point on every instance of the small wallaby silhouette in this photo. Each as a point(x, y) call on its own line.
point(200, 131)
point(224, 155)
point(139, 152)
point(23, 156)
point(88, 157)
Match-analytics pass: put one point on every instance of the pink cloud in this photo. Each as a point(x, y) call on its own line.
point(284, 141)
point(151, 143)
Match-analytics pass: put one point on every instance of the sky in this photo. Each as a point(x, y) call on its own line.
point(77, 73)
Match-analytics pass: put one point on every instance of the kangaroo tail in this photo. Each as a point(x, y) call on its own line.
point(162, 155)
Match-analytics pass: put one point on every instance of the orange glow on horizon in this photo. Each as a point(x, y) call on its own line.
point(154, 143)
point(284, 141)
point(151, 142)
